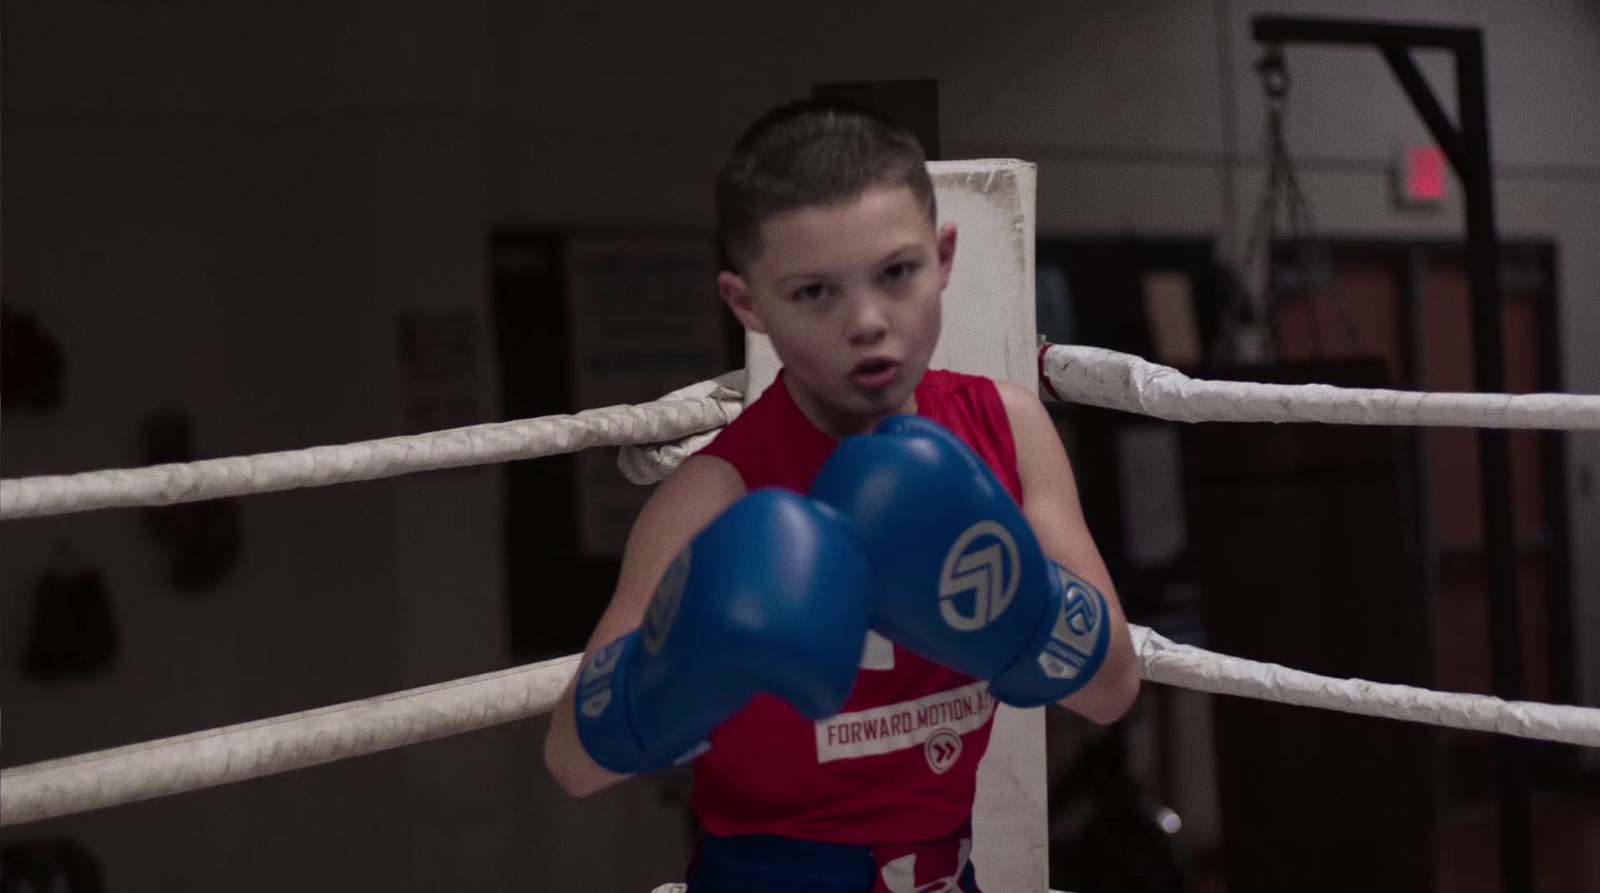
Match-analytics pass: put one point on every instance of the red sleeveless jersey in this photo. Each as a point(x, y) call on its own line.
point(899, 763)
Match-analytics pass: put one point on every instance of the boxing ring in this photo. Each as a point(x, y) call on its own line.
point(661, 434)
point(656, 437)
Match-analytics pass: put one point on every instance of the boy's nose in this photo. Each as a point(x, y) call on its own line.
point(869, 322)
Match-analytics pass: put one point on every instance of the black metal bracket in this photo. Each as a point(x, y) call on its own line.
point(1466, 145)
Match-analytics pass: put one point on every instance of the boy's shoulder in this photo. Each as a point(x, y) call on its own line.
point(976, 391)
point(949, 379)
point(1005, 405)
point(1017, 398)
point(943, 386)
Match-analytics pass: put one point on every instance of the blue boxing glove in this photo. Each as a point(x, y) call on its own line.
point(959, 576)
point(771, 597)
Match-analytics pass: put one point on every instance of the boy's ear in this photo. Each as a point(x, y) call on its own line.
point(947, 253)
point(735, 293)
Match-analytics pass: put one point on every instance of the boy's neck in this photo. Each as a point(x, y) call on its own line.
point(836, 425)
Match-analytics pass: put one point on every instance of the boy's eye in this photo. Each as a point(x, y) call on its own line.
point(898, 271)
point(810, 292)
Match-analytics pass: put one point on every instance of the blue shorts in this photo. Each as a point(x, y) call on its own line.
point(761, 863)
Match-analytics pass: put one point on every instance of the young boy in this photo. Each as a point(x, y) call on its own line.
point(828, 224)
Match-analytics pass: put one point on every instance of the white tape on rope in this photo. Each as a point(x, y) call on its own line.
point(1114, 380)
point(650, 463)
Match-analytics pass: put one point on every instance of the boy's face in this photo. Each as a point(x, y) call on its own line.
point(849, 295)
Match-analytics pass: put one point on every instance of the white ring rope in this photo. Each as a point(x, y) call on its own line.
point(1086, 375)
point(1097, 377)
point(235, 753)
point(1114, 380)
point(650, 463)
point(702, 407)
point(686, 420)
point(1165, 661)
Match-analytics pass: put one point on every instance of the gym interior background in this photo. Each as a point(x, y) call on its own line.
point(241, 227)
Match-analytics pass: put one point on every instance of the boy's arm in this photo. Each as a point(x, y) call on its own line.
point(1050, 502)
point(685, 503)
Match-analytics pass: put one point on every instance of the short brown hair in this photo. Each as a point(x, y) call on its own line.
point(811, 153)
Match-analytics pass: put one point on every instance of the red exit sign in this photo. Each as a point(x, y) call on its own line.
point(1421, 176)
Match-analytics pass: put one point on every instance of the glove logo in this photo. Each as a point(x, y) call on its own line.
point(1076, 631)
point(1080, 614)
point(602, 663)
point(942, 751)
point(596, 704)
point(664, 606)
point(984, 561)
point(596, 680)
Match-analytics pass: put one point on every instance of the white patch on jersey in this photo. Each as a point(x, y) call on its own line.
point(942, 751)
point(905, 725)
point(878, 654)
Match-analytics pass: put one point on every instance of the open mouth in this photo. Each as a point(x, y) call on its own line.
point(876, 373)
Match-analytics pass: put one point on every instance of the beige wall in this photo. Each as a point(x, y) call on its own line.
point(224, 205)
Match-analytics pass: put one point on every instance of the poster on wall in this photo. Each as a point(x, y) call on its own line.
point(644, 319)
